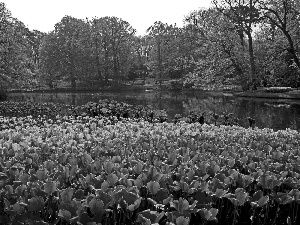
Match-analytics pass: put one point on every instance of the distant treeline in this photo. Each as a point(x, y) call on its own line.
point(248, 43)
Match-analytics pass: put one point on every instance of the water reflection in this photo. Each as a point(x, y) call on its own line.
point(276, 114)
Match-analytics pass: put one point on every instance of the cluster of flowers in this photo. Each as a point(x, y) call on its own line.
point(103, 108)
point(85, 170)
point(108, 108)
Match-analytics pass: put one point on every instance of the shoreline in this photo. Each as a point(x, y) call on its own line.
point(262, 94)
point(294, 94)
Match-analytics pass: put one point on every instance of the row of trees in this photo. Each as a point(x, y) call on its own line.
point(87, 52)
point(244, 42)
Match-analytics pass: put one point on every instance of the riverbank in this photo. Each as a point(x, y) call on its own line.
point(225, 88)
point(66, 90)
point(294, 94)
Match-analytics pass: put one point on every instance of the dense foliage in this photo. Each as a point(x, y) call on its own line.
point(19, 51)
point(248, 43)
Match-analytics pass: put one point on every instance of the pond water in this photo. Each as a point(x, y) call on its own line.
point(271, 113)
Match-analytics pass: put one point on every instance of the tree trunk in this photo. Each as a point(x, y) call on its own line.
point(73, 80)
point(241, 35)
point(71, 64)
point(292, 48)
point(273, 31)
point(106, 66)
point(159, 62)
point(115, 66)
point(50, 83)
point(98, 60)
point(252, 77)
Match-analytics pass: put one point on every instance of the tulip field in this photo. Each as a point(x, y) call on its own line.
point(111, 163)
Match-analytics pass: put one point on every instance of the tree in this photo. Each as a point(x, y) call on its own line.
point(244, 14)
point(121, 34)
point(5, 28)
point(35, 39)
point(219, 55)
point(15, 50)
point(70, 33)
point(163, 46)
point(284, 14)
point(50, 57)
point(111, 37)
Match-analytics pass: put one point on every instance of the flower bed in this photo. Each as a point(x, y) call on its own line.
point(86, 170)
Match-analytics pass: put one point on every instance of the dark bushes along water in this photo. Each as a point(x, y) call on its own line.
point(111, 109)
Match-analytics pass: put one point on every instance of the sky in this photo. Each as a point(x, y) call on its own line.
point(42, 15)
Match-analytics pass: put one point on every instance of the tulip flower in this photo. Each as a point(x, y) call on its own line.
point(64, 214)
point(180, 205)
point(105, 198)
point(262, 201)
point(49, 165)
point(241, 196)
point(97, 166)
point(112, 179)
point(116, 159)
point(24, 178)
point(66, 195)
point(213, 213)
point(41, 174)
point(96, 205)
point(295, 193)
point(35, 204)
point(153, 187)
point(104, 185)
point(18, 208)
point(138, 168)
point(108, 166)
point(231, 163)
point(28, 160)
point(219, 193)
point(138, 182)
point(50, 187)
point(89, 178)
point(171, 157)
point(182, 220)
